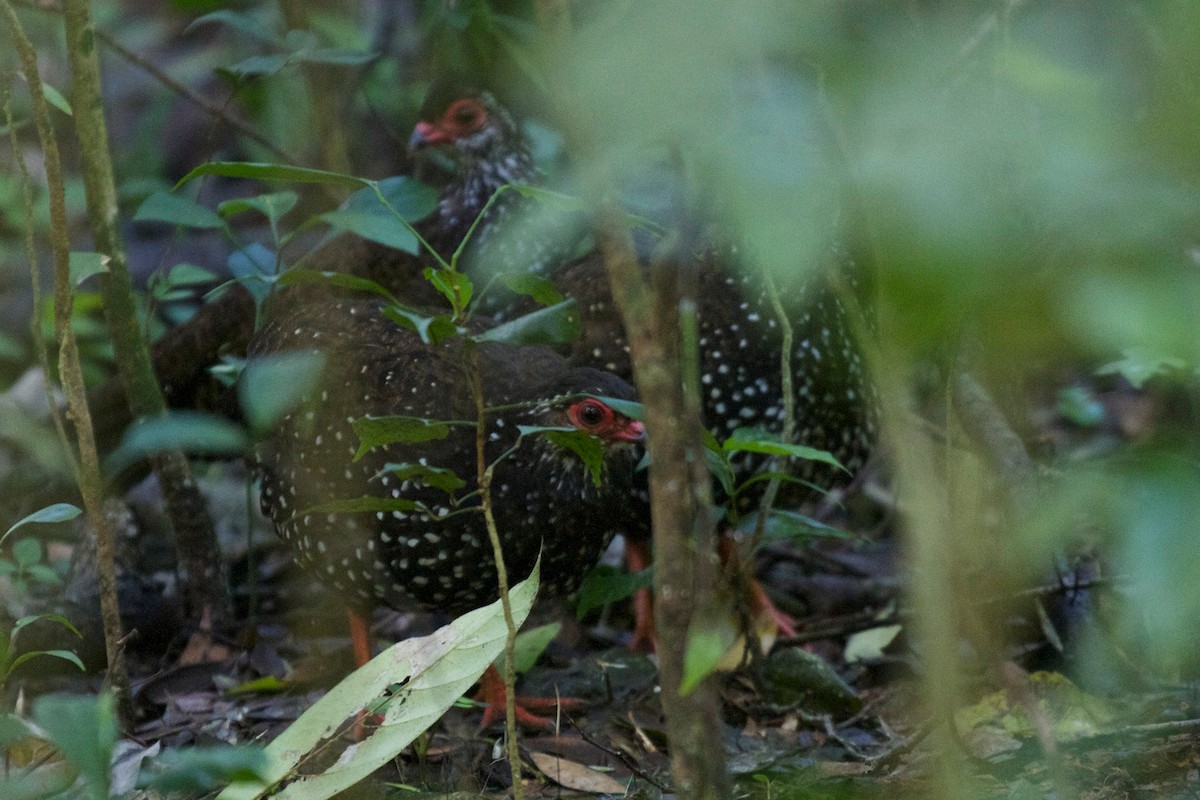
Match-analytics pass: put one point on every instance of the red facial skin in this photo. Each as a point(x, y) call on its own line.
point(461, 118)
point(598, 419)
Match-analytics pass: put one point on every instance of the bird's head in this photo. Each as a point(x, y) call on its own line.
point(467, 125)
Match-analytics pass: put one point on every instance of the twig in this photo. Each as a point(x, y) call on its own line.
point(195, 539)
point(35, 276)
point(483, 472)
point(625, 759)
point(208, 106)
point(71, 374)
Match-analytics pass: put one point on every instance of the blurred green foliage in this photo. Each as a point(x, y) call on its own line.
point(1022, 178)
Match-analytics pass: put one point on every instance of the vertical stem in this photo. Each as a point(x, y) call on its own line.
point(71, 376)
point(195, 540)
point(483, 473)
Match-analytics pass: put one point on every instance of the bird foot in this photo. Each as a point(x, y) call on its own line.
point(492, 694)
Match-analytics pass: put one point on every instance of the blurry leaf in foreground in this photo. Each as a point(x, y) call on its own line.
point(530, 645)
point(85, 265)
point(605, 584)
point(190, 431)
point(84, 729)
point(1079, 405)
point(201, 769)
point(273, 386)
point(431, 672)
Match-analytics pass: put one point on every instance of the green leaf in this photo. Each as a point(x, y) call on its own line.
point(272, 205)
point(432, 672)
point(605, 584)
point(869, 645)
point(720, 468)
point(65, 655)
point(12, 729)
point(455, 286)
point(551, 325)
point(529, 646)
point(341, 280)
point(381, 431)
point(630, 408)
point(55, 98)
point(581, 443)
point(175, 210)
point(252, 25)
point(787, 525)
point(194, 771)
point(336, 55)
point(1138, 366)
point(752, 441)
point(261, 171)
point(27, 551)
point(273, 386)
point(84, 729)
point(268, 684)
point(437, 477)
point(383, 229)
point(190, 275)
point(59, 512)
point(431, 329)
point(42, 573)
point(793, 675)
point(32, 618)
point(188, 431)
point(84, 265)
point(383, 212)
point(706, 646)
point(542, 290)
point(256, 65)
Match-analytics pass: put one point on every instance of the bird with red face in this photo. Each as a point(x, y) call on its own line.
point(424, 543)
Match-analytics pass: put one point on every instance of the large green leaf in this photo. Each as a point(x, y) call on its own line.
point(380, 431)
point(176, 210)
point(551, 325)
point(84, 729)
point(59, 512)
point(432, 672)
point(385, 217)
point(189, 431)
point(262, 171)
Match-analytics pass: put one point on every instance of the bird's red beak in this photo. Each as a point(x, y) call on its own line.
point(426, 134)
point(632, 431)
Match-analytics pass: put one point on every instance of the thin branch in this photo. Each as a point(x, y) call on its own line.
point(71, 374)
point(195, 539)
point(218, 111)
point(483, 472)
point(35, 283)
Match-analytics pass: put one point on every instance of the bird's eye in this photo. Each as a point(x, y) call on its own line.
point(590, 414)
point(465, 114)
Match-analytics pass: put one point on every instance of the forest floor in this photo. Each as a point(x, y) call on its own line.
point(833, 711)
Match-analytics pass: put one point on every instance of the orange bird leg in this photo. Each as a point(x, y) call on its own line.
point(492, 694)
point(360, 637)
point(637, 558)
point(757, 602)
point(360, 646)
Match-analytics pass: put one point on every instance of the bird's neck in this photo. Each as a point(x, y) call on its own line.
point(465, 197)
